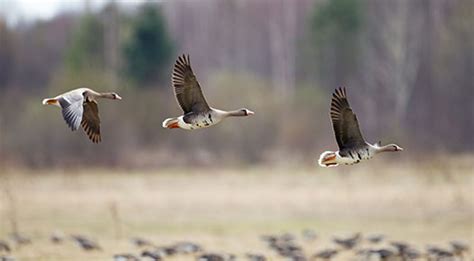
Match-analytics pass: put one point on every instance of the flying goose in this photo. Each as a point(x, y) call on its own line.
point(79, 108)
point(352, 146)
point(197, 113)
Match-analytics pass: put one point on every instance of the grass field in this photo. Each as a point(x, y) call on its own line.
point(227, 210)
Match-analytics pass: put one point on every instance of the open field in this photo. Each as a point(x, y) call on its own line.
point(227, 210)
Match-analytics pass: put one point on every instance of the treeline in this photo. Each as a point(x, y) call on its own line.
point(407, 65)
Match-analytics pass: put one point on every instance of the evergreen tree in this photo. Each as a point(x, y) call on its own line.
point(149, 49)
point(336, 28)
point(87, 49)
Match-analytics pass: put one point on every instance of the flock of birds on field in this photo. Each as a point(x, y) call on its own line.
point(286, 246)
point(79, 108)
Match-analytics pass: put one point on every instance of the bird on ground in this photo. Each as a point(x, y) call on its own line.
point(309, 235)
point(56, 237)
point(6, 258)
point(287, 237)
point(348, 243)
point(187, 247)
point(255, 257)
point(79, 108)
point(438, 253)
point(400, 246)
point(85, 243)
point(286, 247)
point(19, 239)
point(140, 242)
point(383, 254)
point(325, 254)
point(352, 146)
point(166, 250)
point(410, 254)
point(126, 257)
point(210, 257)
point(269, 239)
point(215, 257)
point(197, 113)
point(375, 238)
point(4, 246)
point(405, 250)
point(459, 248)
point(153, 255)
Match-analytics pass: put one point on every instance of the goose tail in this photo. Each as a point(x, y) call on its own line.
point(170, 123)
point(50, 101)
point(328, 159)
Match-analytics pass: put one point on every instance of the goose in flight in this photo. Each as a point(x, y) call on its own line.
point(79, 108)
point(197, 113)
point(352, 146)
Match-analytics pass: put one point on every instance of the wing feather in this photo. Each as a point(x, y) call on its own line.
point(72, 111)
point(344, 121)
point(91, 121)
point(186, 87)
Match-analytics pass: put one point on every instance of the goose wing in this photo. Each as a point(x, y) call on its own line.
point(71, 108)
point(344, 122)
point(186, 87)
point(91, 121)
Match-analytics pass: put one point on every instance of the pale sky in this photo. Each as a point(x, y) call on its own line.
point(28, 10)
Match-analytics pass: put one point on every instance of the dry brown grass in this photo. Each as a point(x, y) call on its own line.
point(227, 210)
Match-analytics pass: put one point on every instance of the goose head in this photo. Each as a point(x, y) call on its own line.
point(111, 95)
point(115, 96)
point(240, 113)
point(247, 112)
point(388, 148)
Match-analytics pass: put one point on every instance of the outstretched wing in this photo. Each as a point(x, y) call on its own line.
point(91, 121)
point(344, 122)
point(186, 87)
point(71, 108)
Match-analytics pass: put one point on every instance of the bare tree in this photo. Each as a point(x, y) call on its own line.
point(393, 43)
point(111, 41)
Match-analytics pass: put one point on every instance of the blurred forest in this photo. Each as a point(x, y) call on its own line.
point(408, 67)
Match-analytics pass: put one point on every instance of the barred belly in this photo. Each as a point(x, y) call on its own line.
point(202, 120)
point(355, 156)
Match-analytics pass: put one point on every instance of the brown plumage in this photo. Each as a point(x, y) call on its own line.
point(91, 121)
point(186, 87)
point(344, 122)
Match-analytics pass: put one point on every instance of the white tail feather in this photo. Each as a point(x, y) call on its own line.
point(166, 123)
point(323, 156)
